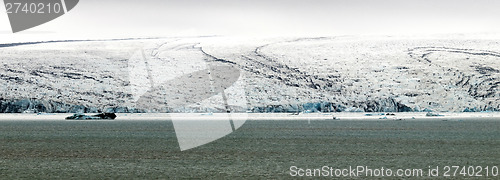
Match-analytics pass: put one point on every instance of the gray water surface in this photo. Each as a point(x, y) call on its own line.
point(259, 149)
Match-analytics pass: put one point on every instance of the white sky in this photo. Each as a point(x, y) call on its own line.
point(133, 18)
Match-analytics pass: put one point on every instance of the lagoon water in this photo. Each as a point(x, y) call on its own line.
point(147, 149)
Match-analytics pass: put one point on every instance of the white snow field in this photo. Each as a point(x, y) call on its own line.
point(346, 73)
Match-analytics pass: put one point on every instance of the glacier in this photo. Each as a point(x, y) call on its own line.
point(304, 74)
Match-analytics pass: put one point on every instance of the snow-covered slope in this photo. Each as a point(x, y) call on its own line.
point(278, 74)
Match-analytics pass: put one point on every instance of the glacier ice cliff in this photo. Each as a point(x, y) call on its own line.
point(326, 74)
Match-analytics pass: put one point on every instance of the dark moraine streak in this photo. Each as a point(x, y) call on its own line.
point(487, 81)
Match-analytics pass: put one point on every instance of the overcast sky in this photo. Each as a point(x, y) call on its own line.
point(271, 17)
